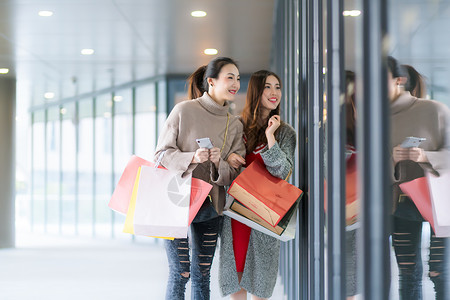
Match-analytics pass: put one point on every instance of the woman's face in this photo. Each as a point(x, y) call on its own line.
point(227, 84)
point(271, 95)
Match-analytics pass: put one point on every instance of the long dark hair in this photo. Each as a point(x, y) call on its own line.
point(395, 68)
point(197, 81)
point(416, 83)
point(350, 112)
point(253, 129)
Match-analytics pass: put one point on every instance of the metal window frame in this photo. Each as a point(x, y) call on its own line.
point(373, 140)
point(336, 135)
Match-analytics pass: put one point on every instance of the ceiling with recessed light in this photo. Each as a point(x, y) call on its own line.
point(130, 40)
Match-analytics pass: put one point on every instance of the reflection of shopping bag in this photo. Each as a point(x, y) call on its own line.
point(431, 196)
point(266, 195)
point(351, 192)
point(162, 203)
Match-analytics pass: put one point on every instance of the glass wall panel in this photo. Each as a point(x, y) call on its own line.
point(68, 168)
point(38, 173)
point(123, 143)
point(53, 207)
point(85, 168)
point(162, 104)
point(145, 128)
point(103, 165)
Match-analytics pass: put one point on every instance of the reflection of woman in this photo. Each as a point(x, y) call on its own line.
point(426, 119)
point(351, 208)
point(249, 258)
point(206, 116)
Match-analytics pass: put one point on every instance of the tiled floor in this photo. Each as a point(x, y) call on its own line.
point(56, 268)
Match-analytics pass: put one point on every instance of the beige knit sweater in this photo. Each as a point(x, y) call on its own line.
point(426, 119)
point(200, 118)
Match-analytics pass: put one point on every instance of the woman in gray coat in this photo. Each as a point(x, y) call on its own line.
point(249, 258)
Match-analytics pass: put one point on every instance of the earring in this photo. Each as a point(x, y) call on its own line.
point(400, 86)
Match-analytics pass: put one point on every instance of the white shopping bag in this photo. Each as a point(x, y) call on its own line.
point(440, 202)
point(162, 203)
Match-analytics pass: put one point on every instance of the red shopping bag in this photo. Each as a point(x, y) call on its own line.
point(351, 192)
point(419, 193)
point(266, 195)
point(430, 194)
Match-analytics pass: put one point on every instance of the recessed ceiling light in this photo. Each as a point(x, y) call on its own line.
point(87, 51)
point(198, 14)
point(118, 98)
point(210, 51)
point(49, 95)
point(45, 13)
point(4, 70)
point(351, 13)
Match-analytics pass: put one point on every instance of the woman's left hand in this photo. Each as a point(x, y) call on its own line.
point(273, 124)
point(417, 155)
point(214, 156)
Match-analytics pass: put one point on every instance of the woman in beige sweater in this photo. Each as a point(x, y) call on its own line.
point(428, 119)
point(206, 116)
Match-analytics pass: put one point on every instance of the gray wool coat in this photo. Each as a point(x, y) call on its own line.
point(261, 264)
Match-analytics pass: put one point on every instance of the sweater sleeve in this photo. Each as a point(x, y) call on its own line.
point(279, 159)
point(174, 159)
point(225, 174)
point(440, 159)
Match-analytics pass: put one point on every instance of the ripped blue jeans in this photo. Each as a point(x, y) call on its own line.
point(407, 245)
point(203, 242)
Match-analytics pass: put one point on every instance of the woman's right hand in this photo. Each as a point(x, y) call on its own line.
point(235, 160)
point(200, 156)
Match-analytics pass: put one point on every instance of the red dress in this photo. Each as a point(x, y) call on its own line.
point(241, 232)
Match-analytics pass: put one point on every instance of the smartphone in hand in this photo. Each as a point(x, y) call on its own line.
point(204, 143)
point(411, 142)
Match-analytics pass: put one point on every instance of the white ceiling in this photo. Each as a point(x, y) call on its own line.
point(132, 39)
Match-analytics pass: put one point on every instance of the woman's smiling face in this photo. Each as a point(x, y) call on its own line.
point(271, 95)
point(227, 84)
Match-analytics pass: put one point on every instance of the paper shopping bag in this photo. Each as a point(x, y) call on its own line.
point(427, 194)
point(162, 203)
point(128, 226)
point(287, 233)
point(266, 195)
point(122, 193)
point(419, 193)
point(440, 197)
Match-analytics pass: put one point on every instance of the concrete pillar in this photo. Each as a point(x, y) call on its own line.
point(7, 162)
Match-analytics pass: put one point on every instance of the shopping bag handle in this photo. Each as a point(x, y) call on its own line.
point(160, 157)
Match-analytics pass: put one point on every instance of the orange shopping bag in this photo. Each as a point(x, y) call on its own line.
point(266, 195)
